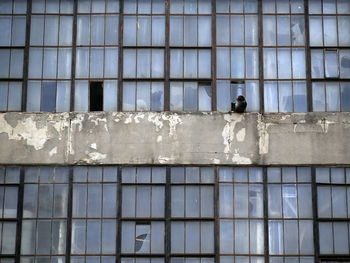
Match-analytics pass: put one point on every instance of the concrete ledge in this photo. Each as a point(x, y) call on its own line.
point(175, 138)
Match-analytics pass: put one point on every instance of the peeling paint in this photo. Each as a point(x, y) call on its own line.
point(26, 130)
point(93, 146)
point(240, 136)
point(263, 135)
point(139, 116)
point(215, 161)
point(53, 151)
point(128, 119)
point(228, 132)
point(156, 120)
point(96, 156)
point(237, 159)
point(165, 160)
point(174, 120)
point(325, 124)
point(97, 120)
point(78, 120)
point(159, 138)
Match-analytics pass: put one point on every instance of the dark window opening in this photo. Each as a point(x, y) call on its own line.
point(96, 96)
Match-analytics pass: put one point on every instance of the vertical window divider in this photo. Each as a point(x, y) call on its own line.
point(69, 215)
point(74, 47)
point(167, 216)
point(216, 216)
point(119, 214)
point(308, 58)
point(26, 56)
point(120, 59)
point(314, 213)
point(213, 57)
point(266, 219)
point(261, 61)
point(167, 57)
point(19, 216)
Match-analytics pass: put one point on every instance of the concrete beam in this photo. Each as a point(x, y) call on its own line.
point(174, 138)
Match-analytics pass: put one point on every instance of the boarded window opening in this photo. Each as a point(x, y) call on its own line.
point(96, 96)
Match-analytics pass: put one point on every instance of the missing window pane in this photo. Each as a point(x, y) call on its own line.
point(96, 96)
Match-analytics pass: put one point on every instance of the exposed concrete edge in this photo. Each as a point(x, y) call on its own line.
point(168, 138)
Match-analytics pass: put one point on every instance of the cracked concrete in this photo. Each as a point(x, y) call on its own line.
point(175, 138)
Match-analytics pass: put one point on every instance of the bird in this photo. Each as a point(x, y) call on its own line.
point(240, 105)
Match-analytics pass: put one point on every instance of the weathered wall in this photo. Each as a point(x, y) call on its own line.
point(175, 138)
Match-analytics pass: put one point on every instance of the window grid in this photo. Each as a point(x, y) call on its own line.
point(324, 177)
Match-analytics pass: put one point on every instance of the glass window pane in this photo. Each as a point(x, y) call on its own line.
point(291, 237)
point(83, 30)
point(157, 102)
point(237, 30)
point(284, 63)
point(269, 25)
point(345, 96)
point(298, 30)
point(285, 96)
point(316, 31)
point(252, 95)
point(129, 63)
point(204, 30)
point(97, 30)
point(144, 31)
point(5, 27)
point(96, 63)
point(82, 64)
point(223, 62)
point(48, 96)
point(344, 57)
point(93, 236)
point(318, 96)
point(78, 236)
point(332, 96)
point(110, 95)
point(81, 100)
point(283, 30)
point(341, 238)
point(204, 97)
point(43, 237)
point(204, 63)
point(222, 30)
point(270, 71)
point(324, 201)
point(251, 29)
point(3, 96)
point(9, 238)
point(37, 30)
point(226, 200)
point(276, 237)
point(192, 239)
point(144, 63)
point(177, 237)
point(111, 62)
point(108, 236)
point(157, 63)
point(64, 63)
point(237, 62)
point(270, 97)
point(330, 30)
point(190, 31)
point(129, 37)
point(304, 201)
point(176, 96)
point(299, 96)
point(15, 96)
point(190, 96)
point(50, 63)
point(241, 234)
point(111, 33)
point(317, 69)
point(223, 95)
point(176, 31)
point(339, 202)
point(298, 57)
point(34, 95)
point(18, 30)
point(190, 64)
point(331, 64)
point(343, 24)
point(275, 204)
point(158, 30)
point(51, 31)
point(129, 92)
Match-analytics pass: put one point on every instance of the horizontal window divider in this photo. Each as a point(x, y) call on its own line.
point(12, 47)
point(144, 47)
point(144, 220)
point(7, 256)
point(330, 184)
point(148, 255)
point(8, 220)
point(143, 184)
point(188, 80)
point(9, 80)
point(330, 220)
point(240, 218)
point(199, 184)
point(338, 257)
point(253, 255)
point(190, 47)
point(206, 255)
point(197, 219)
point(330, 80)
point(87, 46)
point(178, 14)
point(142, 79)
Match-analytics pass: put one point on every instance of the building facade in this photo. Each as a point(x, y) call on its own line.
point(118, 144)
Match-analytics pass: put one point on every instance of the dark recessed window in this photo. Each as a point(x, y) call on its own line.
point(96, 96)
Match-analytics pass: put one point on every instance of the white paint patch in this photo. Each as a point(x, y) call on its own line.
point(159, 138)
point(96, 156)
point(240, 136)
point(173, 120)
point(237, 159)
point(156, 120)
point(215, 161)
point(53, 151)
point(228, 131)
point(325, 124)
point(26, 130)
point(93, 146)
point(97, 120)
point(138, 117)
point(128, 119)
point(78, 120)
point(165, 160)
point(263, 135)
